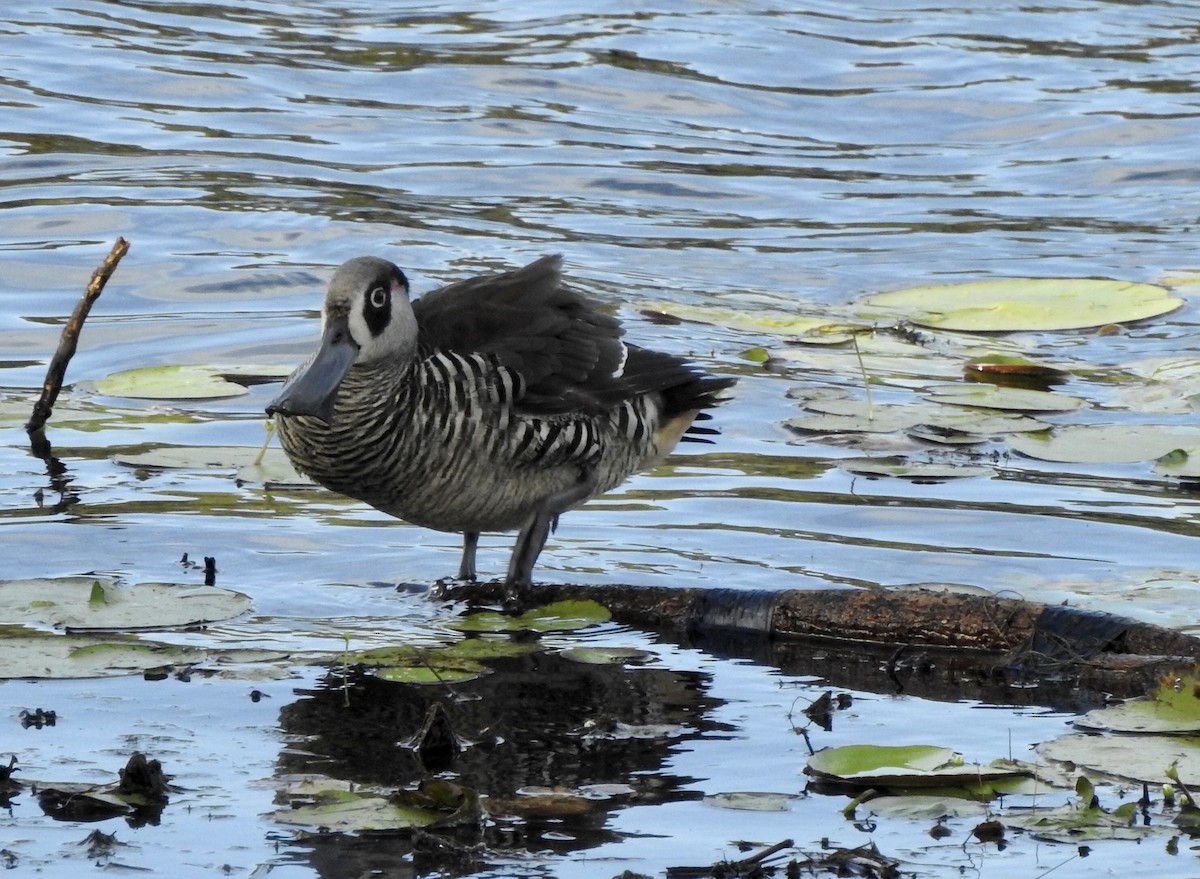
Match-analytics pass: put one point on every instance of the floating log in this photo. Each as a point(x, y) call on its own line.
point(977, 635)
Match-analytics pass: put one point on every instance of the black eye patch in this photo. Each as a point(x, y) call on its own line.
point(377, 308)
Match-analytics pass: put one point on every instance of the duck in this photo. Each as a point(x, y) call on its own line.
point(493, 404)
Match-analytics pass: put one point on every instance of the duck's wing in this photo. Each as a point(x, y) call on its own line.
point(567, 355)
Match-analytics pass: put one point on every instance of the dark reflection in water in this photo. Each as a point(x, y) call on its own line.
point(539, 721)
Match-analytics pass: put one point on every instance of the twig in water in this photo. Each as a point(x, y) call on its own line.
point(69, 340)
point(862, 368)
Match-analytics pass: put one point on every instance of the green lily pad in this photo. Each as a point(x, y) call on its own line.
point(988, 396)
point(338, 809)
point(560, 616)
point(1026, 304)
point(411, 664)
point(1181, 463)
point(1077, 824)
point(453, 663)
point(901, 766)
point(440, 674)
point(93, 603)
point(1174, 708)
point(187, 382)
point(607, 655)
point(1105, 443)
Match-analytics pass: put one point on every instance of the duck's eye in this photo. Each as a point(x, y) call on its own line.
point(378, 297)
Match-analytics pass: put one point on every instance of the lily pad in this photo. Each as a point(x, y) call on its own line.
point(92, 604)
point(1077, 824)
point(1026, 304)
point(901, 766)
point(1145, 759)
point(65, 657)
point(560, 616)
point(1174, 708)
point(1105, 443)
point(925, 806)
point(454, 663)
point(903, 468)
point(187, 382)
point(1181, 463)
point(762, 320)
point(988, 396)
point(200, 457)
point(883, 356)
point(856, 416)
point(607, 655)
point(333, 806)
point(751, 801)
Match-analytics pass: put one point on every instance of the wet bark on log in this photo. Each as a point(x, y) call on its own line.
point(1026, 637)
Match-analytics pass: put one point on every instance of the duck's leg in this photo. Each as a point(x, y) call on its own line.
point(466, 568)
point(535, 531)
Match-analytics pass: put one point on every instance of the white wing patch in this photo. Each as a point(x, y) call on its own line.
point(620, 370)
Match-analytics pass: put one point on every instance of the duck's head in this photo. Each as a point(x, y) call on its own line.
point(366, 319)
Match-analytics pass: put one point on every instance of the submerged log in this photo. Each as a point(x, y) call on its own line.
point(977, 634)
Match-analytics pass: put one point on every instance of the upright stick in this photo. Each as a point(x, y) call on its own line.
point(69, 341)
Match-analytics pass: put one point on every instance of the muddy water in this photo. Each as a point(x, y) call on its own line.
point(674, 152)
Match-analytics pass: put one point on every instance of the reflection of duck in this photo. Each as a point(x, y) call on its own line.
point(494, 403)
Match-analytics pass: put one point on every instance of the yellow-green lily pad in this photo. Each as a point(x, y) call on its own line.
point(559, 616)
point(186, 382)
point(1174, 708)
point(607, 655)
point(1026, 304)
point(762, 320)
point(452, 663)
point(1181, 463)
point(334, 807)
point(1084, 821)
point(902, 766)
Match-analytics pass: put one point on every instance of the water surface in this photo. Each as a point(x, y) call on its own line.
point(671, 151)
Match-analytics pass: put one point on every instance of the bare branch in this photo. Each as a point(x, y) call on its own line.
point(69, 340)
